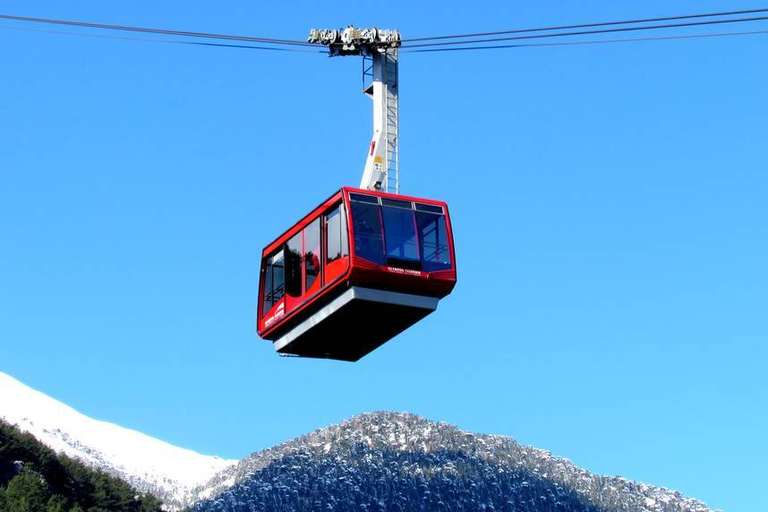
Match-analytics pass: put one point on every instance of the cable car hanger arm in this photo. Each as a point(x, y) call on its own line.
point(379, 49)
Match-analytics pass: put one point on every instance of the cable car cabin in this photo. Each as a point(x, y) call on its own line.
point(354, 273)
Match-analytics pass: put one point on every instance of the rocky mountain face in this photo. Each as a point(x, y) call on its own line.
point(148, 464)
point(401, 462)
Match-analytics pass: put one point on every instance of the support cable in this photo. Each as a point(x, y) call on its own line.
point(293, 45)
point(164, 41)
point(588, 25)
point(598, 41)
point(146, 30)
point(591, 32)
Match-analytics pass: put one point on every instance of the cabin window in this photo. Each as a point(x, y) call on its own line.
point(336, 229)
point(274, 281)
point(363, 198)
point(396, 203)
point(429, 208)
point(433, 236)
point(293, 266)
point(400, 233)
point(312, 256)
point(369, 243)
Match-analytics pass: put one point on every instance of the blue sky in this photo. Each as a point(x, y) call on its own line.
point(609, 212)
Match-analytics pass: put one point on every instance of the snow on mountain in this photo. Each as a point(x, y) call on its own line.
point(149, 464)
point(401, 462)
point(373, 462)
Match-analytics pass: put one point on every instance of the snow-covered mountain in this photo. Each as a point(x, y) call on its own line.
point(149, 464)
point(373, 462)
point(400, 462)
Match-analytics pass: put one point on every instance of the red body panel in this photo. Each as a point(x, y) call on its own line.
point(351, 270)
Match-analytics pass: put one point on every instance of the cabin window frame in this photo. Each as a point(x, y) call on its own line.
point(401, 234)
point(442, 240)
point(317, 221)
point(294, 263)
point(343, 233)
point(268, 281)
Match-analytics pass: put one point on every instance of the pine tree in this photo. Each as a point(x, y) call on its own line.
point(57, 503)
point(26, 492)
point(75, 487)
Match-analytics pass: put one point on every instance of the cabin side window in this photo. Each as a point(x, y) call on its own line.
point(337, 245)
point(369, 243)
point(274, 281)
point(312, 257)
point(293, 266)
point(433, 237)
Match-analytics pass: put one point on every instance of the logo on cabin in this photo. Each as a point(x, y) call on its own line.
point(405, 271)
point(279, 313)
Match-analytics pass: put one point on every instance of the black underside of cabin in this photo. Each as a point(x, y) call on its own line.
point(351, 330)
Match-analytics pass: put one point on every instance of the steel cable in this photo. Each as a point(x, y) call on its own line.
point(591, 32)
point(599, 41)
point(589, 25)
point(146, 30)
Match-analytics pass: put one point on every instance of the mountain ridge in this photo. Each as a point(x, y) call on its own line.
point(34, 478)
point(377, 461)
point(429, 466)
point(149, 464)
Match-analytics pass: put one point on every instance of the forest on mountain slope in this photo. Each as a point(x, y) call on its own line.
point(400, 462)
point(33, 478)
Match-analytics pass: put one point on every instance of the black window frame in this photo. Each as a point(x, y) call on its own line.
point(290, 258)
point(441, 246)
point(268, 299)
point(394, 217)
point(306, 252)
point(338, 212)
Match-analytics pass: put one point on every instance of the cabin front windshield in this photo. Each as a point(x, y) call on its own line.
point(400, 233)
point(369, 243)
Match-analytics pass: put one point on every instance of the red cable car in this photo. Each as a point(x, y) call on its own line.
point(358, 270)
